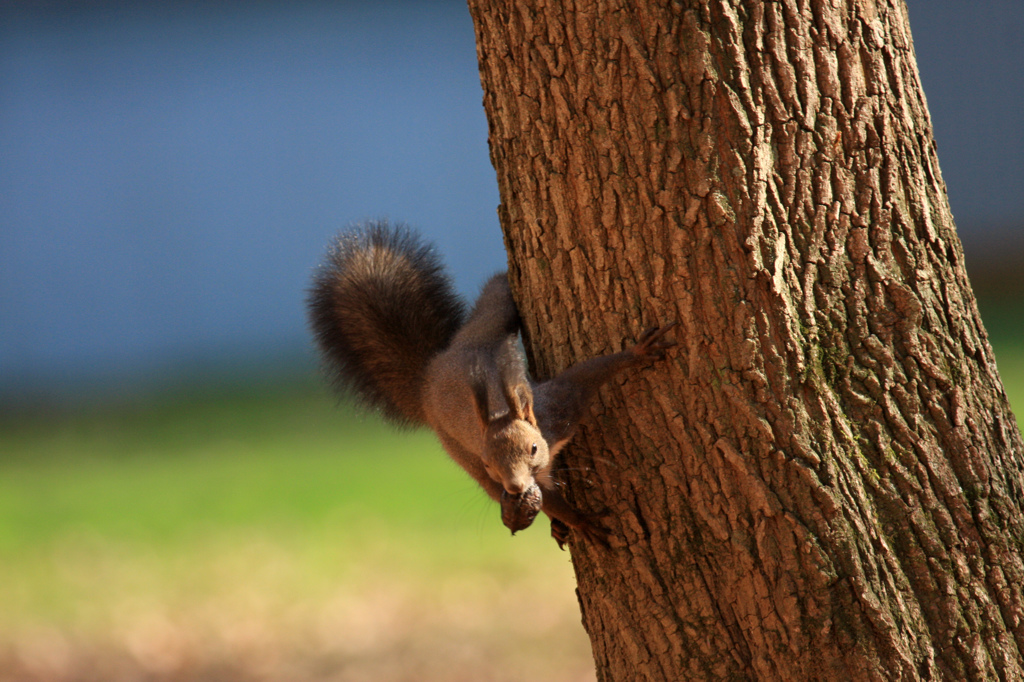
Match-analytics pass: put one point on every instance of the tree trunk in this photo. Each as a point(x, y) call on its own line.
point(824, 480)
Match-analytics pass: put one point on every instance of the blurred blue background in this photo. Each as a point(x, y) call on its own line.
point(170, 173)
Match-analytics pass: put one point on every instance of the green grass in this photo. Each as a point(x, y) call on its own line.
point(167, 471)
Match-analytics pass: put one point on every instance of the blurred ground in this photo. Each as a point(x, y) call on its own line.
point(380, 624)
point(260, 535)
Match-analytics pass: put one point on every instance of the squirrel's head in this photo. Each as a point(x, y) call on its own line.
point(515, 453)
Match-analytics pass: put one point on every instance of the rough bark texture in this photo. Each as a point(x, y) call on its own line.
point(825, 480)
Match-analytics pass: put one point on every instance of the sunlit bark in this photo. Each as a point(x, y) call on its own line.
point(825, 480)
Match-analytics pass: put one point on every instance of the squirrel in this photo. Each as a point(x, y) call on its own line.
point(392, 331)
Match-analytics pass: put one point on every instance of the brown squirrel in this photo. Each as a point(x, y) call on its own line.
point(393, 332)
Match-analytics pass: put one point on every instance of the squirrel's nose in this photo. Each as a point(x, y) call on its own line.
point(516, 487)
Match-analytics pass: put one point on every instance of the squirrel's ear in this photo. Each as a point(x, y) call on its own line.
point(528, 414)
point(520, 402)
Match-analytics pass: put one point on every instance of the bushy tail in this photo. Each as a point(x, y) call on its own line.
point(381, 306)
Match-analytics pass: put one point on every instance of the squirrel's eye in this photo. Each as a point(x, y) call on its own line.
point(533, 450)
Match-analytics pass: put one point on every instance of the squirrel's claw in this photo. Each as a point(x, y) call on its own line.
point(589, 530)
point(651, 345)
point(560, 532)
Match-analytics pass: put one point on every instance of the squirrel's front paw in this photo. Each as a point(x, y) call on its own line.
point(588, 529)
point(651, 345)
point(560, 532)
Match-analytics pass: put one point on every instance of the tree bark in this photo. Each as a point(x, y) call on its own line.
point(824, 480)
